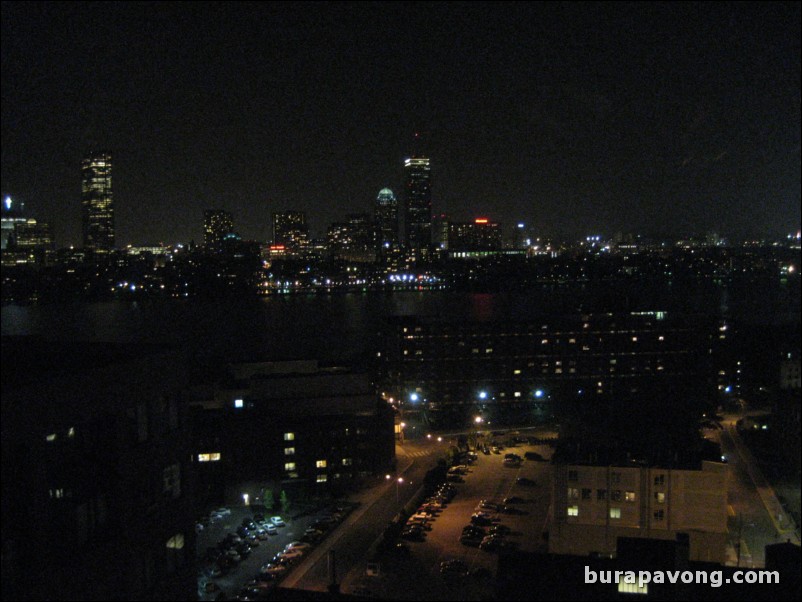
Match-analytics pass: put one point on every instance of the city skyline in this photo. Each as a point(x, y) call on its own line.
point(576, 119)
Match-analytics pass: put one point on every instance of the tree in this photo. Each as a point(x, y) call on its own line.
point(285, 502)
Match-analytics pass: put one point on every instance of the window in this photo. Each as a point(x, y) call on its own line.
point(660, 497)
point(321, 478)
point(573, 510)
point(171, 481)
point(601, 494)
point(289, 451)
point(516, 372)
point(615, 512)
point(289, 436)
point(71, 432)
point(239, 403)
point(51, 437)
point(174, 552)
point(573, 475)
point(288, 466)
point(348, 461)
point(629, 496)
point(615, 495)
point(517, 394)
point(586, 494)
point(615, 477)
point(213, 457)
point(659, 514)
point(573, 493)
point(320, 464)
point(489, 350)
point(660, 480)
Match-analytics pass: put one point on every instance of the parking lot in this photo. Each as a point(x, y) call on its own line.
point(214, 585)
point(414, 571)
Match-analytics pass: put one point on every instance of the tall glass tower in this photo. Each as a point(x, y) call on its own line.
point(97, 203)
point(418, 203)
point(386, 216)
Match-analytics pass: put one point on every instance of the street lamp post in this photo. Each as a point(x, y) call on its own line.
point(398, 482)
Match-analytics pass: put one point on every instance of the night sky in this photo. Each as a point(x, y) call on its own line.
point(661, 119)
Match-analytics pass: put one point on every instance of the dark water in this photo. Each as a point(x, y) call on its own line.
point(331, 327)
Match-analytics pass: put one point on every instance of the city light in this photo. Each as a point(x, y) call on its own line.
point(539, 393)
point(482, 394)
point(414, 397)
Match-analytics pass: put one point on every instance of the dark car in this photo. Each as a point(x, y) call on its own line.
point(454, 567)
point(248, 523)
point(259, 517)
point(526, 482)
point(530, 455)
point(242, 532)
point(481, 520)
point(243, 549)
point(514, 500)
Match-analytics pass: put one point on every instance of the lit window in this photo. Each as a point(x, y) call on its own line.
point(573, 510)
point(71, 432)
point(544, 342)
point(51, 437)
point(289, 466)
point(573, 493)
point(516, 371)
point(572, 341)
point(322, 478)
point(289, 436)
point(489, 350)
point(475, 350)
point(348, 461)
point(615, 512)
point(629, 496)
point(320, 464)
point(289, 451)
point(660, 497)
point(661, 338)
point(634, 339)
point(406, 352)
point(213, 457)
point(176, 542)
point(517, 394)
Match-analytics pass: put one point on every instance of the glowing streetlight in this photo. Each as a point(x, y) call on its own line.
point(478, 420)
point(482, 394)
point(398, 482)
point(414, 397)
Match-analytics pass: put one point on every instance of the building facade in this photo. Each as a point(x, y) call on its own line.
point(97, 202)
point(11, 214)
point(417, 203)
point(478, 235)
point(448, 363)
point(217, 224)
point(97, 489)
point(595, 505)
point(385, 215)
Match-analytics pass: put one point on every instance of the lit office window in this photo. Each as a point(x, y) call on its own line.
point(629, 496)
point(288, 466)
point(660, 497)
point(289, 451)
point(348, 461)
point(289, 436)
point(321, 478)
point(573, 510)
point(320, 464)
point(213, 457)
point(615, 512)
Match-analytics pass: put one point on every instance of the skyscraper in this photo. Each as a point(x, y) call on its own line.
point(418, 203)
point(386, 216)
point(290, 230)
point(97, 202)
point(216, 225)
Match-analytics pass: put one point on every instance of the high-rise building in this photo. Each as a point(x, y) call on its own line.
point(97, 202)
point(478, 235)
point(216, 225)
point(386, 217)
point(440, 224)
point(417, 203)
point(290, 231)
point(35, 239)
point(12, 214)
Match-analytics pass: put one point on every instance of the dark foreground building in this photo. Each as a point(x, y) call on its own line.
point(97, 480)
point(290, 426)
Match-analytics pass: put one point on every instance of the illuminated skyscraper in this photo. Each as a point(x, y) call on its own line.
point(290, 231)
point(216, 225)
point(386, 217)
point(97, 203)
point(417, 203)
point(12, 214)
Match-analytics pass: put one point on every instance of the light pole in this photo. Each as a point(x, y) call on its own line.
point(398, 481)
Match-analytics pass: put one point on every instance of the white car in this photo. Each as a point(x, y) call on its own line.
point(277, 521)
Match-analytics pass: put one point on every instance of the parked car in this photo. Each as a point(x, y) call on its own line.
point(293, 554)
point(273, 569)
point(525, 481)
point(298, 545)
point(454, 567)
point(514, 500)
point(481, 519)
point(278, 521)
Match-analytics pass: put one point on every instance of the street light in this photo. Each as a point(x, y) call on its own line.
point(398, 481)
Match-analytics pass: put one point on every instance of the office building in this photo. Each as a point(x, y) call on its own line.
point(97, 202)
point(12, 213)
point(290, 231)
point(386, 217)
point(35, 239)
point(217, 224)
point(478, 235)
point(417, 203)
point(440, 231)
point(597, 503)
